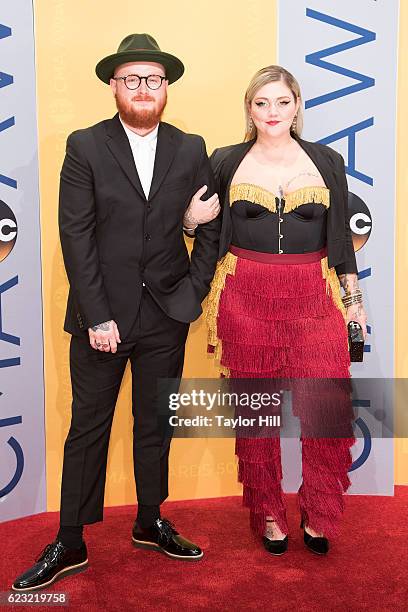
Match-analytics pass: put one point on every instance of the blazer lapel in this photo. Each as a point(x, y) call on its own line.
point(335, 219)
point(319, 161)
point(233, 163)
point(167, 140)
point(225, 173)
point(119, 145)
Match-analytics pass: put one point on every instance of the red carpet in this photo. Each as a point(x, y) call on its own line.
point(366, 568)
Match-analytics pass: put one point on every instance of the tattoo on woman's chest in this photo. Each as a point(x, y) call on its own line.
point(301, 174)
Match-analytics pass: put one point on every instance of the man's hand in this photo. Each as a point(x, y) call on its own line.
point(201, 211)
point(104, 337)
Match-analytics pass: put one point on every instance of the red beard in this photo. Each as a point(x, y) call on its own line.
point(143, 118)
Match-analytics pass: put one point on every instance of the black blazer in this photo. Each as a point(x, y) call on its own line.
point(113, 239)
point(330, 164)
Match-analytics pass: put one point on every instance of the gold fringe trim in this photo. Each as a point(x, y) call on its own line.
point(264, 197)
point(333, 285)
point(305, 195)
point(253, 193)
point(225, 266)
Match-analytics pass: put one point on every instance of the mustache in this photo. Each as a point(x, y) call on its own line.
point(143, 99)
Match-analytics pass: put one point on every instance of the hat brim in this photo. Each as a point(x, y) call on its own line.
point(173, 66)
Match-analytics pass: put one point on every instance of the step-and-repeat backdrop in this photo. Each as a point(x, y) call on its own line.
point(344, 55)
point(339, 55)
point(22, 444)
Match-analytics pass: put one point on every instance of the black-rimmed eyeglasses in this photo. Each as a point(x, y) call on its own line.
point(132, 81)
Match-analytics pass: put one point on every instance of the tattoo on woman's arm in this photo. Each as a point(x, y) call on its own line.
point(359, 310)
point(349, 282)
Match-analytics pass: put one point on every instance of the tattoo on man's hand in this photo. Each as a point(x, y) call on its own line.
point(102, 326)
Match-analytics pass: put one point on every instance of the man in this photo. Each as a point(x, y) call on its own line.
point(125, 187)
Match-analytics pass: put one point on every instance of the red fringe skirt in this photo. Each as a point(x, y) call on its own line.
point(281, 316)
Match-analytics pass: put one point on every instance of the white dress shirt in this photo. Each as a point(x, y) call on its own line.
point(144, 153)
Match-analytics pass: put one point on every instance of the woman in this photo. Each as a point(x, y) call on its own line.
point(275, 307)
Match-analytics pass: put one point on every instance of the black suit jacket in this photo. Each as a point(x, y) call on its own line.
point(113, 239)
point(330, 164)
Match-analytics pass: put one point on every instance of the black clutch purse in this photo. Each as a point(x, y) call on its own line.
point(356, 341)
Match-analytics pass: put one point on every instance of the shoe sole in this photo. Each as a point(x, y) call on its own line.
point(315, 552)
point(157, 548)
point(276, 554)
point(68, 571)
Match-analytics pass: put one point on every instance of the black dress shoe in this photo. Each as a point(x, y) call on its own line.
point(317, 544)
point(275, 547)
point(55, 561)
point(163, 537)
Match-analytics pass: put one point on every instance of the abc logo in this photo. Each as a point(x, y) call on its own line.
point(360, 221)
point(8, 230)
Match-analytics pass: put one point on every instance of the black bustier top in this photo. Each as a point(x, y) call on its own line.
point(263, 222)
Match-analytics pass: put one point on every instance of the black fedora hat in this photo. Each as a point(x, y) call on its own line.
point(139, 48)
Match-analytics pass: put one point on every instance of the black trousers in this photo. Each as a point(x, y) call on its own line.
point(155, 349)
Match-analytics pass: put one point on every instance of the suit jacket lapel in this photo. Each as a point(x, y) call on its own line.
point(167, 140)
point(119, 145)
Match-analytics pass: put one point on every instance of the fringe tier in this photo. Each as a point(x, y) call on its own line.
point(287, 321)
point(325, 465)
point(260, 472)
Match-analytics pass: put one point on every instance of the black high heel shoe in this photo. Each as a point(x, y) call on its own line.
point(275, 547)
point(318, 544)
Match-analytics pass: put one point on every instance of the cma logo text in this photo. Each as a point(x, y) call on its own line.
point(360, 220)
point(8, 230)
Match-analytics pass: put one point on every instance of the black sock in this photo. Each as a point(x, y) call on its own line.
point(71, 537)
point(146, 515)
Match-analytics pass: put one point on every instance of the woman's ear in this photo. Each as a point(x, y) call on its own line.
point(297, 104)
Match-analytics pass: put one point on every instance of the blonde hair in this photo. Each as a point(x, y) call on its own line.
point(266, 75)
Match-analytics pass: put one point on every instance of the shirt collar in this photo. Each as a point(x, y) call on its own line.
point(134, 138)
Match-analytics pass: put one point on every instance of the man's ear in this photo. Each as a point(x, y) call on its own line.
point(113, 85)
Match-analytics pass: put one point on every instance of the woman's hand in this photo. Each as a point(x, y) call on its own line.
point(354, 312)
point(201, 211)
point(357, 313)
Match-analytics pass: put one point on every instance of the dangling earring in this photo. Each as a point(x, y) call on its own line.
point(250, 124)
point(294, 124)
